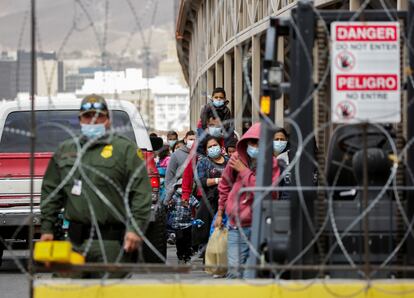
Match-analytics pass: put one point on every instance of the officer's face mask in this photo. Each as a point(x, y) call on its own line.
point(92, 131)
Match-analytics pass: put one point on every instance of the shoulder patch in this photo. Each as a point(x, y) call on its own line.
point(140, 154)
point(107, 151)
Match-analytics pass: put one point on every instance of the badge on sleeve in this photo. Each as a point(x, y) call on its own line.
point(77, 187)
point(107, 151)
point(140, 154)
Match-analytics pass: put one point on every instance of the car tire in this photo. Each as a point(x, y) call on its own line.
point(157, 235)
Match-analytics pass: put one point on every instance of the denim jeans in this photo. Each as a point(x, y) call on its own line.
point(237, 250)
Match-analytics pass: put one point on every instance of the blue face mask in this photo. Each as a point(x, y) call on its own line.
point(215, 131)
point(218, 103)
point(253, 152)
point(214, 152)
point(172, 143)
point(92, 131)
point(279, 146)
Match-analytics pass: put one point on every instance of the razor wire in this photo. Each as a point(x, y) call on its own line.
point(307, 102)
point(247, 99)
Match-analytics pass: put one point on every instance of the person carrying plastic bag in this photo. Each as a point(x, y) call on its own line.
point(216, 253)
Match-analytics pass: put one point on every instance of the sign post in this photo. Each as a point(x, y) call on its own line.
point(365, 69)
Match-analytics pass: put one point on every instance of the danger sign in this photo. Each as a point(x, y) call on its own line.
point(366, 33)
point(365, 71)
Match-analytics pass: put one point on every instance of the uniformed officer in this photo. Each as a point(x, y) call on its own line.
point(100, 181)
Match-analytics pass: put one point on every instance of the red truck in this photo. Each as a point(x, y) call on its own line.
point(57, 120)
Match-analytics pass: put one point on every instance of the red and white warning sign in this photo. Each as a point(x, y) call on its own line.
point(365, 72)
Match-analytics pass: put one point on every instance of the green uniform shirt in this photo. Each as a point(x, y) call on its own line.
point(96, 180)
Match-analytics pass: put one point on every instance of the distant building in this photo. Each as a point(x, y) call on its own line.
point(7, 76)
point(128, 85)
point(162, 101)
point(15, 74)
point(172, 107)
point(46, 77)
point(47, 73)
point(61, 77)
point(75, 81)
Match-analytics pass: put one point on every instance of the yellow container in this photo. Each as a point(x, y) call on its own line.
point(62, 251)
point(43, 251)
point(53, 251)
point(77, 259)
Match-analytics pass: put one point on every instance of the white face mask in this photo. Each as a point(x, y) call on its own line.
point(189, 144)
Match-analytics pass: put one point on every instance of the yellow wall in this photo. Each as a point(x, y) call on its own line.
point(225, 289)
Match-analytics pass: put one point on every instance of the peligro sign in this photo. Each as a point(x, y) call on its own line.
point(365, 72)
point(366, 82)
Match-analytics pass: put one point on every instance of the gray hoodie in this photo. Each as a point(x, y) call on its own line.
point(175, 169)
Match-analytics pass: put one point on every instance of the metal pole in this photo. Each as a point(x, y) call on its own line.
point(301, 88)
point(147, 70)
point(264, 167)
point(32, 137)
point(365, 201)
point(410, 126)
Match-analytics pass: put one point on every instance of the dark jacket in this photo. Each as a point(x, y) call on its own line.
point(111, 172)
point(206, 168)
point(226, 118)
point(223, 113)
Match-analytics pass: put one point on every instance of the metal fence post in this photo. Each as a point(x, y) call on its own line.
point(410, 127)
point(301, 106)
point(264, 167)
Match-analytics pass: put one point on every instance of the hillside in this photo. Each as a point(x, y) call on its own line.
point(55, 18)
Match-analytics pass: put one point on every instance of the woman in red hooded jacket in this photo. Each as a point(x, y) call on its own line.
point(240, 172)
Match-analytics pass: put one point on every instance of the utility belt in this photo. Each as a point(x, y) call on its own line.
point(79, 232)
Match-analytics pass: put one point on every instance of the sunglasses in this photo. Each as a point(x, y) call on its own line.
point(93, 105)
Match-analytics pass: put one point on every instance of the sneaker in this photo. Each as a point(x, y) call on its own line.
point(185, 260)
point(218, 276)
point(202, 252)
point(171, 239)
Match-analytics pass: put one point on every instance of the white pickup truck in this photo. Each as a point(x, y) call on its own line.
point(54, 118)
